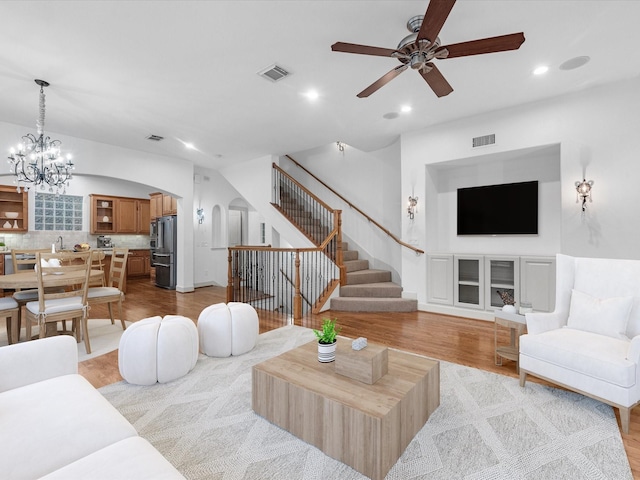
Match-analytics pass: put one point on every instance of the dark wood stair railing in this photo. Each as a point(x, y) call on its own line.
point(281, 281)
point(291, 281)
point(351, 205)
point(321, 224)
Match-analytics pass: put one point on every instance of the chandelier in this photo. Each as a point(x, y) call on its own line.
point(37, 160)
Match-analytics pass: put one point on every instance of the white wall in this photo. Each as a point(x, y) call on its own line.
point(596, 130)
point(212, 190)
point(252, 180)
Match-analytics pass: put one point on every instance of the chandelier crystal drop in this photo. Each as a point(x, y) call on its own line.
point(37, 159)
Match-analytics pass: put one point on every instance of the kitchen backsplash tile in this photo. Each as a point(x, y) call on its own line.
point(45, 239)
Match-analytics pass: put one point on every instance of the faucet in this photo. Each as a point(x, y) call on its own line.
point(61, 242)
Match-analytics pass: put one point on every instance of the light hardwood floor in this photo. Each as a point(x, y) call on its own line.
point(454, 339)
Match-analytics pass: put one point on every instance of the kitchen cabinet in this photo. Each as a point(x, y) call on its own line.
point(103, 210)
point(156, 205)
point(162, 204)
point(119, 215)
point(144, 216)
point(132, 216)
point(169, 205)
point(139, 263)
point(14, 202)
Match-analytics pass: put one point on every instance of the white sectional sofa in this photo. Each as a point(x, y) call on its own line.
point(54, 424)
point(590, 343)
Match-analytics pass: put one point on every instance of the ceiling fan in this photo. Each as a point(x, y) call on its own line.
point(423, 45)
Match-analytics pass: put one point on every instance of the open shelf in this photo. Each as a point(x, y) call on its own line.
point(12, 201)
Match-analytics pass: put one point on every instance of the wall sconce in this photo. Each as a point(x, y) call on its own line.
point(200, 214)
point(412, 206)
point(341, 146)
point(584, 191)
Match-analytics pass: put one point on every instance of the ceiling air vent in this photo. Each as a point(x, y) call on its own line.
point(155, 138)
point(484, 141)
point(274, 73)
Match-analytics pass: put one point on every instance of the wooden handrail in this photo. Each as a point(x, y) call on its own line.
point(302, 187)
point(351, 205)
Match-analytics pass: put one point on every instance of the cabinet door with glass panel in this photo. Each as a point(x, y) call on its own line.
point(103, 212)
point(502, 274)
point(468, 274)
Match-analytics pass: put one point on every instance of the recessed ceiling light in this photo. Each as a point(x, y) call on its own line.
point(541, 70)
point(312, 95)
point(575, 62)
point(190, 146)
point(405, 109)
point(390, 115)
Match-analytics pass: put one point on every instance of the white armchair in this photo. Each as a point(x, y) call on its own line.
point(590, 343)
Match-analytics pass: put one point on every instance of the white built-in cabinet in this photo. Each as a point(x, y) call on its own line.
point(538, 282)
point(468, 279)
point(473, 281)
point(501, 273)
point(440, 279)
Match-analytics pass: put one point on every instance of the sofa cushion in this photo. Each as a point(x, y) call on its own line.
point(598, 356)
point(132, 457)
point(49, 424)
point(606, 316)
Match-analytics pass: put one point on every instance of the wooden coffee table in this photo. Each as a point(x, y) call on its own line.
point(365, 426)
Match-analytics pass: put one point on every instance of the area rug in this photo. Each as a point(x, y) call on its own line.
point(486, 427)
point(104, 337)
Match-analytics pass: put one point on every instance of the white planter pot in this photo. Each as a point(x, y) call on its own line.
point(326, 352)
point(509, 308)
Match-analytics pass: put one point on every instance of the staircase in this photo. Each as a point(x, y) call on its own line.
point(369, 290)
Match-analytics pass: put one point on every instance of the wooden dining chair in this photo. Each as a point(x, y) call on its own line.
point(112, 293)
point(70, 304)
point(10, 310)
point(97, 263)
point(23, 260)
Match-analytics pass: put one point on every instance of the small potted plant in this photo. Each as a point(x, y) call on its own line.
point(327, 340)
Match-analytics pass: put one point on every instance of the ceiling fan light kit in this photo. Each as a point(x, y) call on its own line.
point(423, 45)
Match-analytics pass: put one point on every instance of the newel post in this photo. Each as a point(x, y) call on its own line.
point(229, 279)
point(297, 298)
point(337, 218)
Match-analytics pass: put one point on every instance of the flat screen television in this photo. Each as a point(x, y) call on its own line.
point(506, 209)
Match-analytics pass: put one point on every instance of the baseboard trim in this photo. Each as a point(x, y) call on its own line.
point(456, 311)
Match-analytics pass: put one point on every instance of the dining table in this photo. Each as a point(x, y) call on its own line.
point(28, 279)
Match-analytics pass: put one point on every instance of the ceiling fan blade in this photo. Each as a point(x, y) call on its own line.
point(362, 49)
point(436, 81)
point(434, 18)
point(382, 81)
point(484, 45)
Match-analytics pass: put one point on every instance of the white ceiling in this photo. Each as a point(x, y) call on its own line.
point(187, 70)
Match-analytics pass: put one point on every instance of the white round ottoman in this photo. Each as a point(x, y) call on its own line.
point(228, 329)
point(158, 350)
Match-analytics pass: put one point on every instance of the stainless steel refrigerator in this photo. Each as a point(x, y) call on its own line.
point(163, 256)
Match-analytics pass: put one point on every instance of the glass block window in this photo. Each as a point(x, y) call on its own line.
point(58, 212)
